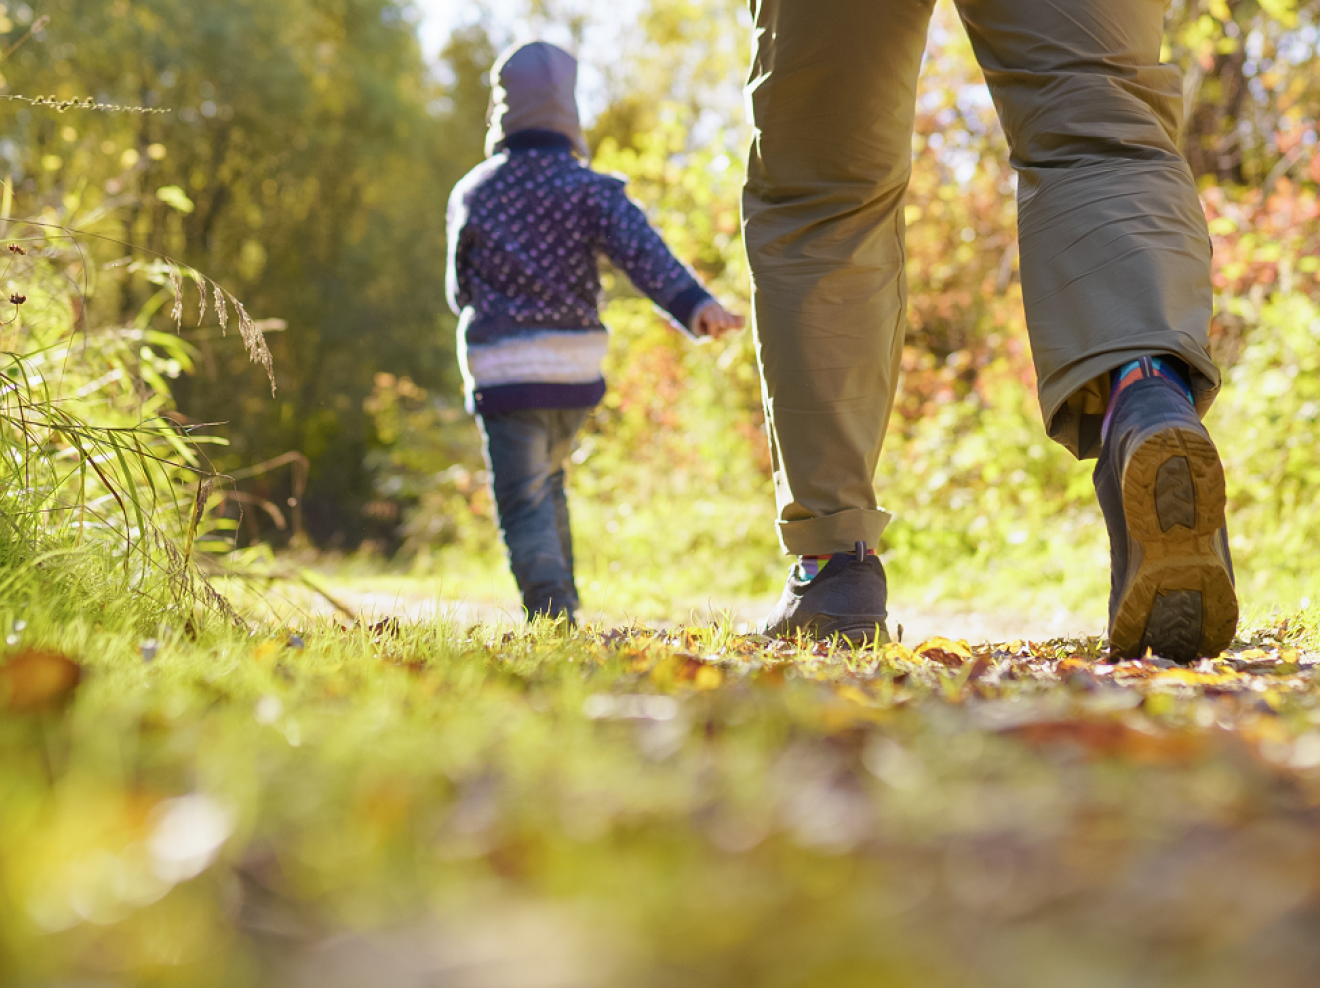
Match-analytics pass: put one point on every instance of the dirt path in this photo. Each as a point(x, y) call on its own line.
point(918, 623)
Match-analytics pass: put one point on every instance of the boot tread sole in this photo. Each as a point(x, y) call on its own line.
point(1179, 600)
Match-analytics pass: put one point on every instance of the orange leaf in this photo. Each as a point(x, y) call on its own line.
point(39, 679)
point(1110, 737)
point(688, 667)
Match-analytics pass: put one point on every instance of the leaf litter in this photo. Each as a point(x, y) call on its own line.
point(1017, 813)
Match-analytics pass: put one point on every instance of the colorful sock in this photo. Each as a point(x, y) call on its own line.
point(809, 567)
point(1140, 370)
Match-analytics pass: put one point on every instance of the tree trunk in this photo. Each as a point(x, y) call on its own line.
point(1213, 139)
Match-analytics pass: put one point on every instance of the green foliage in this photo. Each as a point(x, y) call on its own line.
point(1269, 421)
point(92, 460)
point(305, 163)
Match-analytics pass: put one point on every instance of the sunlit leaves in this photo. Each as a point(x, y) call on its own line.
point(176, 198)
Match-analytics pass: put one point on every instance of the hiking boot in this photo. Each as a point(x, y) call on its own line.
point(846, 598)
point(1161, 488)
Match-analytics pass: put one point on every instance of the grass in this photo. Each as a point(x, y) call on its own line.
point(492, 805)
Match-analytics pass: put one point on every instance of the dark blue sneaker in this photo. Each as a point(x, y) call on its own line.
point(846, 598)
point(1161, 488)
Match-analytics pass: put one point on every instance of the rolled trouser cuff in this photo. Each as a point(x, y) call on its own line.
point(1074, 399)
point(1115, 266)
point(838, 532)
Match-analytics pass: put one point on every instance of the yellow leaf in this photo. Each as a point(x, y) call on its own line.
point(945, 651)
point(1187, 677)
point(894, 652)
point(708, 677)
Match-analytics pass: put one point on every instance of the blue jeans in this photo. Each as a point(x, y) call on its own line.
point(525, 451)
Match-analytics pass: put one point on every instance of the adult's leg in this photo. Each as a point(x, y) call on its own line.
point(1116, 268)
point(832, 93)
point(518, 452)
point(1115, 254)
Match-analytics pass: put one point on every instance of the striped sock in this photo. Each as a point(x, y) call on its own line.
point(1140, 370)
point(809, 567)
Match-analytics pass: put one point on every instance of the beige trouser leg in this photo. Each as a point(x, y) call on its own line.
point(1115, 253)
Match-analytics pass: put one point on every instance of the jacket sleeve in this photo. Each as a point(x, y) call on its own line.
point(629, 240)
point(458, 283)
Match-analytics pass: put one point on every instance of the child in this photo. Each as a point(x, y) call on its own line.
point(526, 228)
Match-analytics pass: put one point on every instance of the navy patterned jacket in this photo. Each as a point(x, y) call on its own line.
point(526, 229)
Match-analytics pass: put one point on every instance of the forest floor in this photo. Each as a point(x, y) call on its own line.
point(451, 798)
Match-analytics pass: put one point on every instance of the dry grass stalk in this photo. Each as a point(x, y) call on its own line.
point(186, 584)
point(200, 282)
point(221, 310)
point(205, 486)
point(176, 286)
point(255, 342)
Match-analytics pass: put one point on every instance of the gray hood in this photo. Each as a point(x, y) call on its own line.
point(532, 88)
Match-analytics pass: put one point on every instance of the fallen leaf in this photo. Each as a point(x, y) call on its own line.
point(708, 677)
point(1109, 738)
point(676, 668)
point(894, 652)
point(1256, 659)
point(945, 651)
point(39, 679)
point(981, 664)
point(387, 626)
point(1077, 674)
point(687, 667)
point(1190, 677)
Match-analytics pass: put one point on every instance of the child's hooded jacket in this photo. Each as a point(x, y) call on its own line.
point(525, 230)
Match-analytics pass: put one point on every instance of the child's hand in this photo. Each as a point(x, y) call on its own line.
point(714, 320)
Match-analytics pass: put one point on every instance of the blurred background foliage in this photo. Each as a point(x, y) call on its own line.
point(305, 164)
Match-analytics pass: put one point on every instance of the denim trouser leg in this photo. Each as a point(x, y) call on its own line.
point(561, 525)
point(526, 451)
